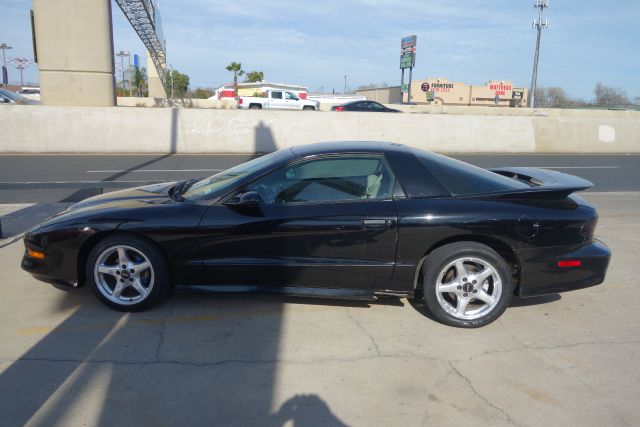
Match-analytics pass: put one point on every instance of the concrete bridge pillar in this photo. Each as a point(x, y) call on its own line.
point(74, 44)
point(156, 89)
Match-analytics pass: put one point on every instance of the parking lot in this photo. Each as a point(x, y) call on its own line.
point(570, 359)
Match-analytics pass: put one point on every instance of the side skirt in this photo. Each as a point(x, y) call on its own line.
point(332, 293)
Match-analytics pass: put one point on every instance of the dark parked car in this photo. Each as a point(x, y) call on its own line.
point(6, 96)
point(370, 106)
point(342, 220)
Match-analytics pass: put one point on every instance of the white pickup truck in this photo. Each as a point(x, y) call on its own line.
point(277, 99)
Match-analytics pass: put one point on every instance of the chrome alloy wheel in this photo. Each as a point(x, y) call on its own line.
point(468, 288)
point(124, 275)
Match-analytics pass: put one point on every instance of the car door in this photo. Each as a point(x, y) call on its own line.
point(359, 106)
point(291, 101)
point(276, 99)
point(376, 107)
point(326, 222)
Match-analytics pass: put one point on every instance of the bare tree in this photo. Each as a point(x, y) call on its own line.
point(553, 97)
point(607, 96)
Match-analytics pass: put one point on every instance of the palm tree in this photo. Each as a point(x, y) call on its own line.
point(236, 69)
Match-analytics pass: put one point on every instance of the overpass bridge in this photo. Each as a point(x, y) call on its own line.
point(73, 45)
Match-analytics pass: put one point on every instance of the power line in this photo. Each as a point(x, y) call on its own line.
point(539, 25)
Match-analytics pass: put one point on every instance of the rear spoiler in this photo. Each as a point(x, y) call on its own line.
point(544, 183)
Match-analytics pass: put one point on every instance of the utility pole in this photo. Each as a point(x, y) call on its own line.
point(345, 85)
point(20, 65)
point(5, 73)
point(130, 84)
point(122, 54)
point(171, 75)
point(538, 25)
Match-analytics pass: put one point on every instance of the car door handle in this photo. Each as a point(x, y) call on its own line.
point(375, 224)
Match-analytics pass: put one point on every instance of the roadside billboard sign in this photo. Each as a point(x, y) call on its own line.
point(407, 60)
point(517, 93)
point(409, 41)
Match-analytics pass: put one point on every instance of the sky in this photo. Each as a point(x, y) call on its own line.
point(317, 43)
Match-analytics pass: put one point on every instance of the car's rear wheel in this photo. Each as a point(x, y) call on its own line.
point(127, 273)
point(255, 107)
point(466, 284)
point(308, 108)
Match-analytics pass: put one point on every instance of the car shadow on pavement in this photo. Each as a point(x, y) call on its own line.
point(194, 360)
point(529, 301)
point(17, 222)
point(419, 305)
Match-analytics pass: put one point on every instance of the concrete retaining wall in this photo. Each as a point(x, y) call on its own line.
point(44, 129)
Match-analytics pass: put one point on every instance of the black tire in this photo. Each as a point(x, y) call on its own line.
point(308, 108)
point(497, 288)
point(255, 107)
point(158, 274)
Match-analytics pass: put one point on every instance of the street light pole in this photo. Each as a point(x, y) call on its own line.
point(345, 85)
point(539, 25)
point(4, 48)
point(122, 54)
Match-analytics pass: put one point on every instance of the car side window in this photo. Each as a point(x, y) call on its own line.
point(291, 96)
point(331, 179)
point(374, 106)
point(276, 95)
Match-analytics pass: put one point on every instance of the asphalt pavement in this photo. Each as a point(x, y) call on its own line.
point(256, 360)
point(608, 172)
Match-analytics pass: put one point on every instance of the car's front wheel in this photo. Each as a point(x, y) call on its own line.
point(127, 273)
point(466, 284)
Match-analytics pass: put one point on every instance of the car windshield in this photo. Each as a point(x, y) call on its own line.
point(463, 179)
point(224, 181)
point(12, 96)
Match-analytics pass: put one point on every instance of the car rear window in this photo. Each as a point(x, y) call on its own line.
point(463, 179)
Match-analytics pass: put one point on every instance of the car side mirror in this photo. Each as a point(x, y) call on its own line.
point(246, 199)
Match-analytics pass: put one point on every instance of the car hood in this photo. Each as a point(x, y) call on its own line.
point(112, 206)
point(156, 193)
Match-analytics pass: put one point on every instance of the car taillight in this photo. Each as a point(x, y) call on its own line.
point(339, 108)
point(589, 228)
point(570, 263)
point(239, 100)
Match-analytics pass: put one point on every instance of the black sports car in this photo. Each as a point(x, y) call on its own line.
point(364, 106)
point(342, 220)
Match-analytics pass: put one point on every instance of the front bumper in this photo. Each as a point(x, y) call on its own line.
point(56, 268)
point(541, 274)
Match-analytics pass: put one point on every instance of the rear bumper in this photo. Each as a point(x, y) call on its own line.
point(541, 274)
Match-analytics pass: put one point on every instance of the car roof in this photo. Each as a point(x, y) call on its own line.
point(347, 147)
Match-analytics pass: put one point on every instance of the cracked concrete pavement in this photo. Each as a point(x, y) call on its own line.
point(245, 360)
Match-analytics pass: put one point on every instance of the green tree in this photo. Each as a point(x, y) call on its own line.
point(236, 69)
point(203, 93)
point(140, 81)
point(178, 83)
point(254, 76)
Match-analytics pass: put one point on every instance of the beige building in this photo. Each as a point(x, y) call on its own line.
point(441, 91)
